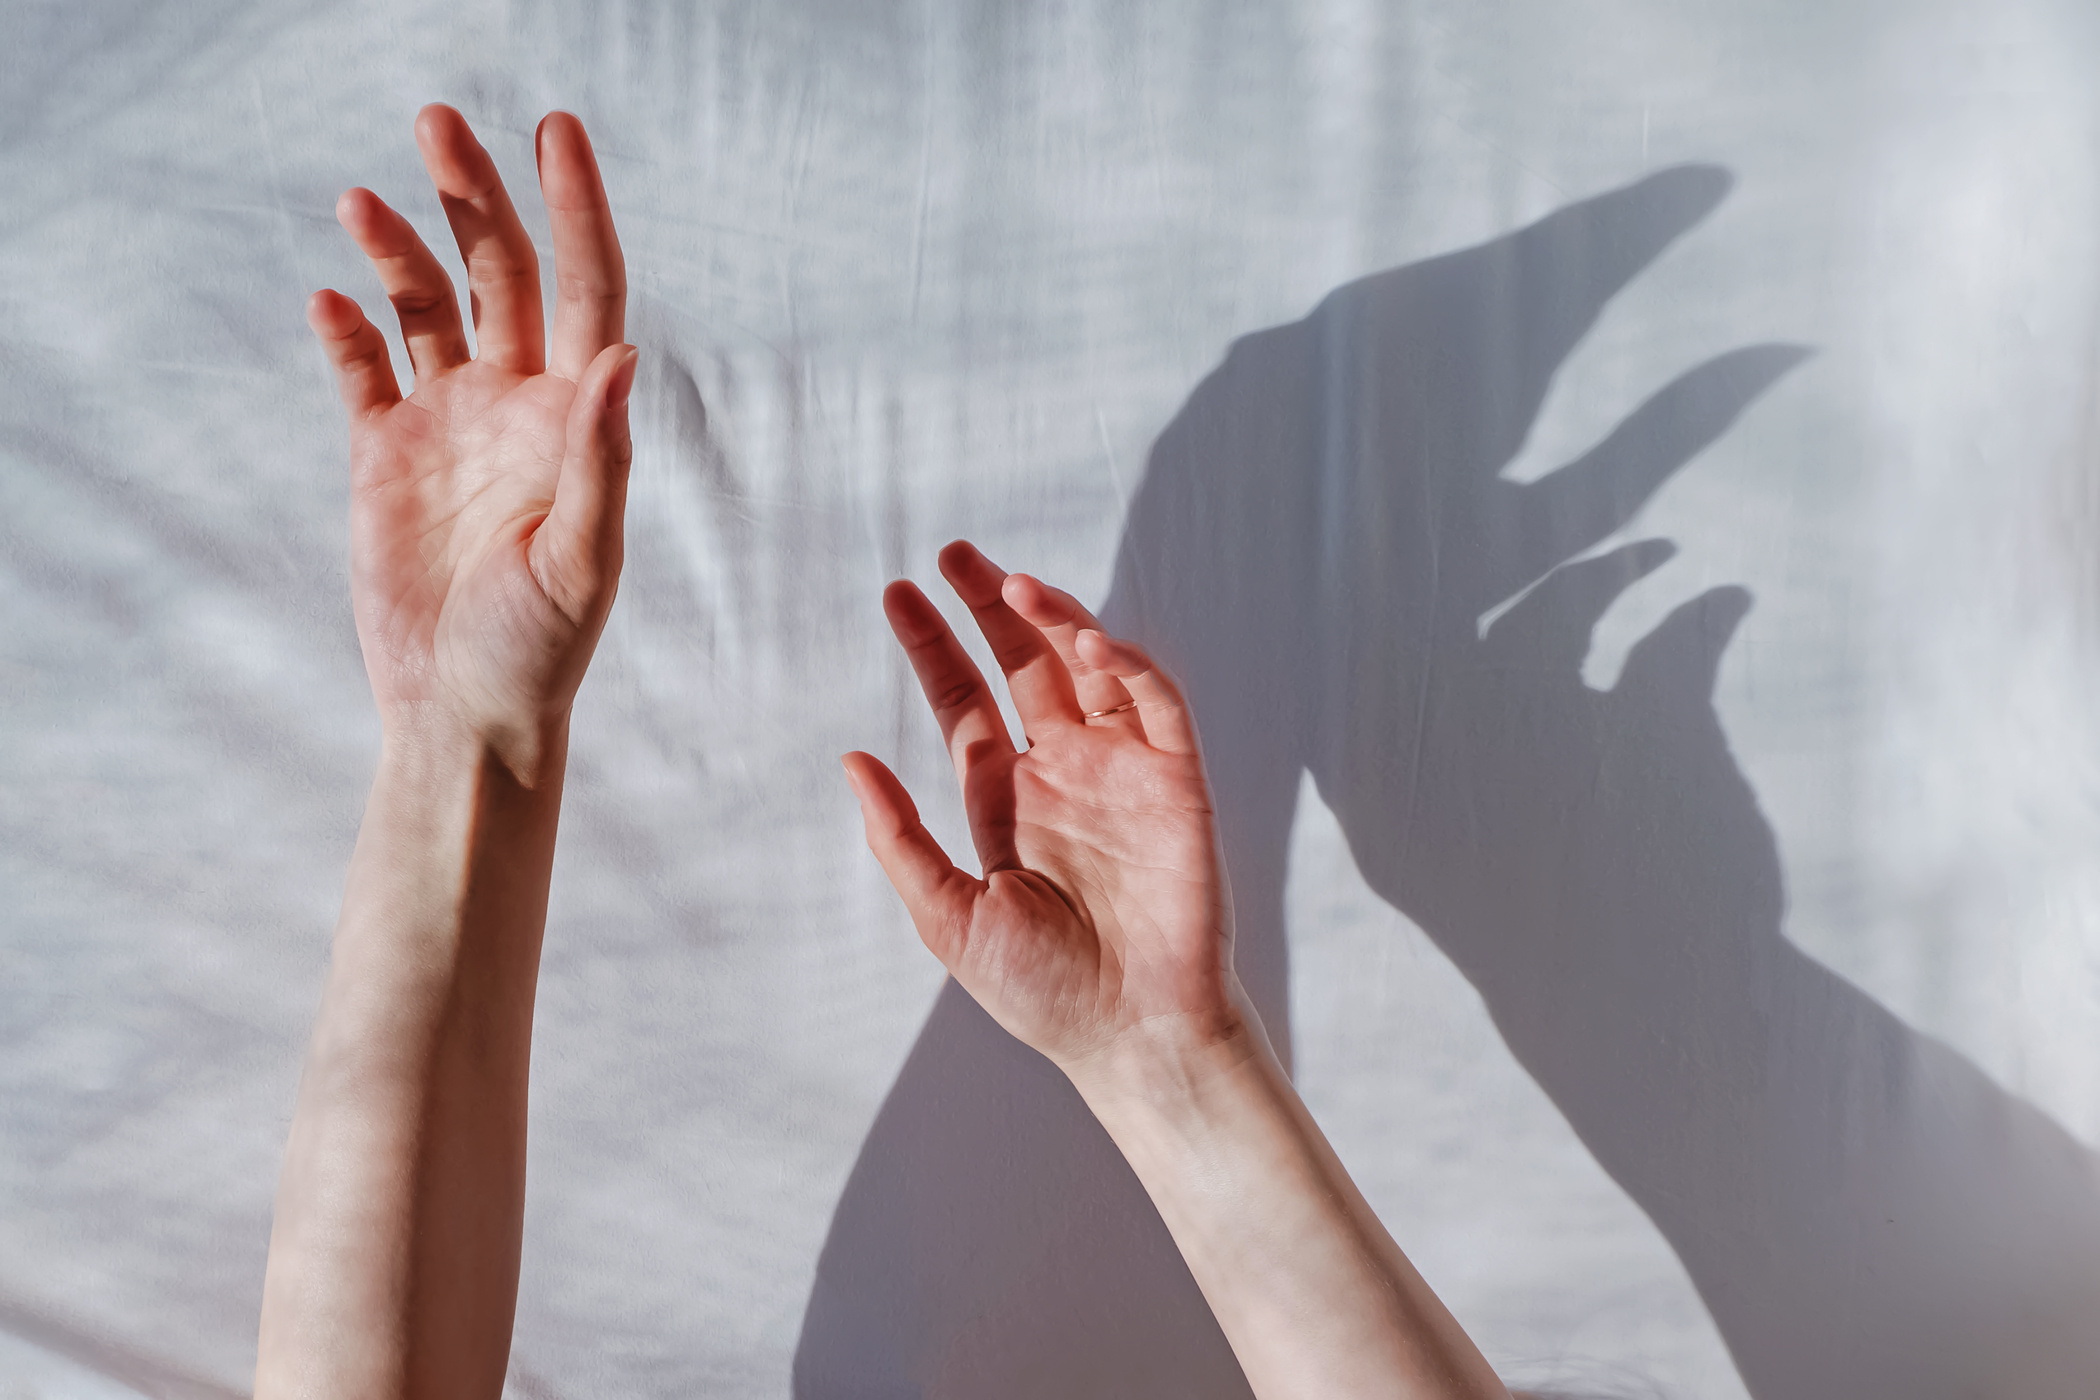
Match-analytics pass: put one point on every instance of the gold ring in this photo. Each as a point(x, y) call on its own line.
point(1112, 710)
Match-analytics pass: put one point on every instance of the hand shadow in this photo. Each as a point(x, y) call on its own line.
point(1319, 531)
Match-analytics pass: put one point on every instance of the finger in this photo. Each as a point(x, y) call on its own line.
point(1060, 618)
point(590, 276)
point(962, 703)
point(503, 271)
point(414, 280)
point(1557, 276)
point(1160, 707)
point(364, 376)
point(1679, 660)
point(938, 895)
point(1549, 628)
point(1037, 680)
point(1569, 511)
point(577, 550)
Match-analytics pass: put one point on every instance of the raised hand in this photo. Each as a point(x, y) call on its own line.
point(485, 548)
point(1101, 934)
point(486, 506)
point(1102, 916)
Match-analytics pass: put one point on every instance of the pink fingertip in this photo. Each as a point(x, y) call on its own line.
point(961, 553)
point(551, 123)
point(326, 313)
point(909, 610)
point(459, 165)
point(433, 118)
point(1022, 591)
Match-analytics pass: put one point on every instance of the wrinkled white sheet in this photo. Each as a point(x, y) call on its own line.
point(903, 273)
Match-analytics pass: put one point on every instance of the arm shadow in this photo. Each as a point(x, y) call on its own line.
point(1319, 531)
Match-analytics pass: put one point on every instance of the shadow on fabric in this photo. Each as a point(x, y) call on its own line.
point(1319, 532)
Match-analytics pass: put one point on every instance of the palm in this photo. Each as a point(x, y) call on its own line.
point(452, 486)
point(486, 507)
point(1110, 916)
point(1102, 908)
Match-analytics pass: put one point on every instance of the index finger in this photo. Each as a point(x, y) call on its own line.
point(962, 703)
point(1038, 681)
point(590, 275)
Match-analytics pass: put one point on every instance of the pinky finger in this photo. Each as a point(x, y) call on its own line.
point(364, 375)
point(1159, 703)
point(938, 895)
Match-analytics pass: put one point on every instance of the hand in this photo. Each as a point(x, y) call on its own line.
point(1102, 921)
point(1101, 934)
point(486, 506)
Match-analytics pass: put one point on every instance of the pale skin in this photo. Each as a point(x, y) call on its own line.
point(486, 518)
point(485, 548)
point(1100, 933)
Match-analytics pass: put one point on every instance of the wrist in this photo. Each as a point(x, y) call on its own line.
point(422, 735)
point(1169, 1067)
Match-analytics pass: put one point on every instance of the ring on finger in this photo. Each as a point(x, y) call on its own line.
point(1111, 710)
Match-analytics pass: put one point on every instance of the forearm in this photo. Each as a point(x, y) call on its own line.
point(1863, 1211)
point(394, 1254)
point(1311, 1291)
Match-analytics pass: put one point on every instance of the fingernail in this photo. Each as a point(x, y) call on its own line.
point(622, 382)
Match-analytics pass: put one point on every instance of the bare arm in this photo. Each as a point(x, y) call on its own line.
point(1100, 934)
point(1311, 1291)
point(486, 544)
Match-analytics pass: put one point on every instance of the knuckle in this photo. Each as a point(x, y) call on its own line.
point(592, 288)
point(363, 354)
point(956, 694)
point(510, 265)
point(420, 301)
point(1012, 656)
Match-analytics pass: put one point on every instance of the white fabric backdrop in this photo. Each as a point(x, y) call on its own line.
point(903, 273)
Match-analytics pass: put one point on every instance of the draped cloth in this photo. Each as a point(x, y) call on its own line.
point(1617, 482)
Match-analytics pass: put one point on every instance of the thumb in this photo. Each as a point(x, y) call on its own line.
point(938, 895)
point(577, 552)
